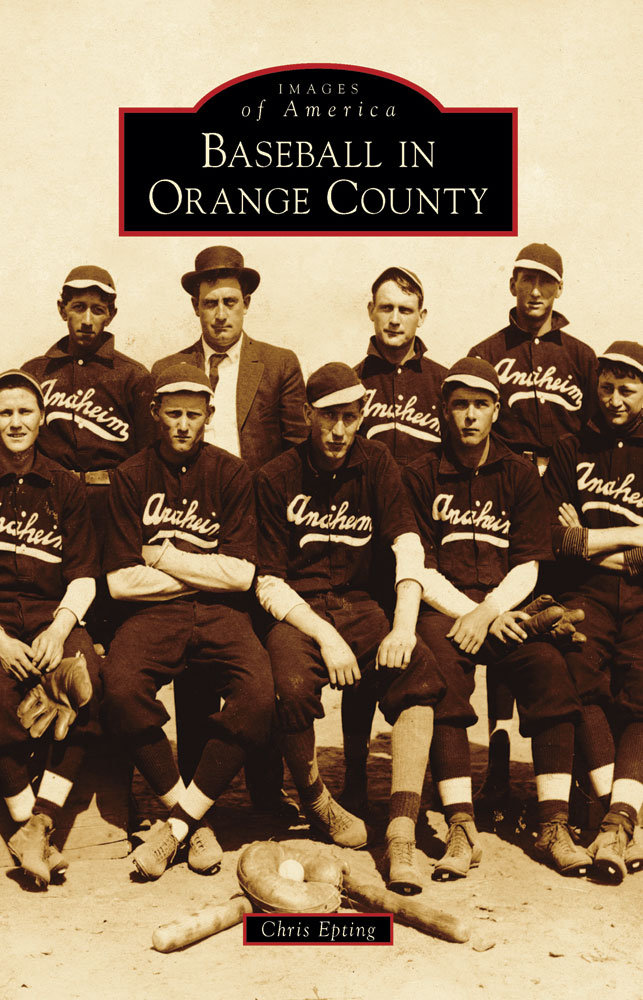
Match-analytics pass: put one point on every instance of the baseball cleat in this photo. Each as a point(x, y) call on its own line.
point(555, 847)
point(608, 851)
point(58, 863)
point(403, 876)
point(153, 856)
point(30, 846)
point(463, 849)
point(337, 823)
point(205, 851)
point(634, 852)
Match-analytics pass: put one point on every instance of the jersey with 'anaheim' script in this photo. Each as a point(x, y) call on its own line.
point(203, 505)
point(600, 473)
point(403, 402)
point(477, 524)
point(46, 537)
point(547, 384)
point(97, 407)
point(319, 530)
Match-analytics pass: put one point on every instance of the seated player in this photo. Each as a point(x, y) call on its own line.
point(323, 509)
point(483, 521)
point(595, 486)
point(181, 549)
point(48, 566)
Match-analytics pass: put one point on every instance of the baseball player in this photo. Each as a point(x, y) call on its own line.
point(48, 565)
point(323, 508)
point(547, 389)
point(483, 521)
point(180, 551)
point(402, 409)
point(595, 487)
point(97, 402)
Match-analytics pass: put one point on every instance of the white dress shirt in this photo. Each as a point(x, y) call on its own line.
point(222, 429)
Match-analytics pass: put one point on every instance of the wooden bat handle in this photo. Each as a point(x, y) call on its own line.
point(371, 894)
point(199, 925)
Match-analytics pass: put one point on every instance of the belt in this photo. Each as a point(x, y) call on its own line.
point(540, 461)
point(95, 477)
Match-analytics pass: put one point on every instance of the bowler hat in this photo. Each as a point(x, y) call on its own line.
point(213, 259)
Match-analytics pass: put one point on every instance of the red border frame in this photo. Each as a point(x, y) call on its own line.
point(324, 232)
point(315, 944)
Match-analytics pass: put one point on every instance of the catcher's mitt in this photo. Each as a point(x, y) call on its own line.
point(59, 695)
point(553, 620)
point(270, 892)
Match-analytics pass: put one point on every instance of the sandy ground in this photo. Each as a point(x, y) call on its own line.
point(533, 933)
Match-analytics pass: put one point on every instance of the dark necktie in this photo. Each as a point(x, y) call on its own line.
point(215, 361)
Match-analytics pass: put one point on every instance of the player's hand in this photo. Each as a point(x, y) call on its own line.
point(507, 626)
point(340, 661)
point(48, 647)
point(568, 516)
point(16, 657)
point(470, 631)
point(396, 649)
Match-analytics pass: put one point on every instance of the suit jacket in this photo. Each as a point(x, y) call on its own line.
point(270, 397)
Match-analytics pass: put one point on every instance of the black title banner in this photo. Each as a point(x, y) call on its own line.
point(318, 928)
point(318, 150)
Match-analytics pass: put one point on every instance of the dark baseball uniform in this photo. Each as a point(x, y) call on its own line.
point(600, 472)
point(97, 412)
point(46, 542)
point(403, 403)
point(203, 506)
point(547, 384)
point(476, 525)
point(318, 531)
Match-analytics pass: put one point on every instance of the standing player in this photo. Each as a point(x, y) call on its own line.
point(595, 486)
point(181, 549)
point(323, 509)
point(402, 409)
point(48, 562)
point(483, 521)
point(547, 388)
point(97, 402)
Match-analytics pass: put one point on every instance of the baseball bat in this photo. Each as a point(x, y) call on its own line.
point(371, 894)
point(199, 925)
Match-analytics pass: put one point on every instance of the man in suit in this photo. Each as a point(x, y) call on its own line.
point(259, 399)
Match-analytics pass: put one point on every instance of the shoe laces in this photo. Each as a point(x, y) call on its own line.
point(164, 847)
point(458, 845)
point(401, 851)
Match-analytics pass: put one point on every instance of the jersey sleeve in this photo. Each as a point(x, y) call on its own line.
point(80, 550)
point(273, 533)
point(238, 531)
point(394, 512)
point(530, 532)
point(124, 541)
point(141, 392)
point(418, 490)
point(559, 483)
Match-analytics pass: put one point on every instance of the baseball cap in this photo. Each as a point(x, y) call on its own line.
point(333, 384)
point(541, 257)
point(183, 378)
point(395, 272)
point(625, 352)
point(474, 373)
point(90, 276)
point(16, 374)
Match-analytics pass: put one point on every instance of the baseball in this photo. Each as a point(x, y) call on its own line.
point(291, 869)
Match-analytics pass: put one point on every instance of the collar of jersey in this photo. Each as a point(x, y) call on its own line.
point(518, 334)
point(419, 349)
point(450, 466)
point(41, 469)
point(598, 426)
point(354, 458)
point(104, 352)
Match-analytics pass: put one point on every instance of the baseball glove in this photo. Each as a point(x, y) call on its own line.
point(553, 620)
point(270, 892)
point(59, 695)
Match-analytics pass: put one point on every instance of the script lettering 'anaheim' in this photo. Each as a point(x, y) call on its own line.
point(483, 518)
point(588, 483)
point(351, 529)
point(185, 523)
point(80, 407)
point(549, 384)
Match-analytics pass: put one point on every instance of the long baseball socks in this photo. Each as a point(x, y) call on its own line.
point(410, 741)
point(451, 770)
point(322, 810)
point(596, 742)
point(553, 754)
point(358, 710)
